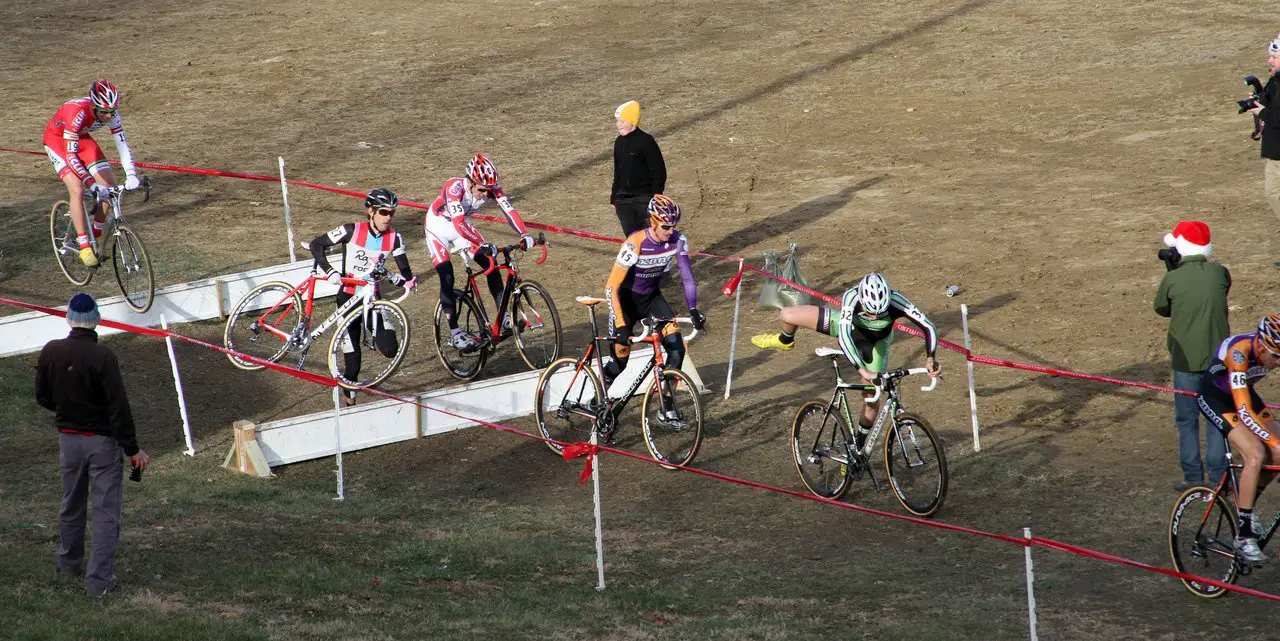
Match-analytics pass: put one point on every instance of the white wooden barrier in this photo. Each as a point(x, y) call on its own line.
point(183, 303)
point(388, 421)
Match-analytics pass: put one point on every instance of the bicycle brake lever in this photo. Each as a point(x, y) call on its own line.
point(871, 400)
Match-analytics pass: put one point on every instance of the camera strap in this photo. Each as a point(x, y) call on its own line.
point(1257, 129)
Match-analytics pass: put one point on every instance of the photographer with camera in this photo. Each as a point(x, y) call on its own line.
point(79, 379)
point(1193, 296)
point(1260, 104)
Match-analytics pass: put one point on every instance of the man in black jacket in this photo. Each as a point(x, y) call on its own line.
point(1268, 112)
point(638, 170)
point(79, 379)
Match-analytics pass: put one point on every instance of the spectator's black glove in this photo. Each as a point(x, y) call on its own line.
point(698, 319)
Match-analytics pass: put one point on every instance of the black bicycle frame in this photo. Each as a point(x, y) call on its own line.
point(493, 331)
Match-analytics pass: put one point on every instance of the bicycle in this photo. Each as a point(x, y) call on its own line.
point(129, 257)
point(275, 322)
point(571, 401)
point(829, 456)
point(524, 311)
point(1209, 550)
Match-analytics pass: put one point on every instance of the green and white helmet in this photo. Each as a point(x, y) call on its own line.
point(873, 294)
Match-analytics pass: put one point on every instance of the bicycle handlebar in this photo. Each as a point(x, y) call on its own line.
point(649, 326)
point(880, 380)
point(506, 252)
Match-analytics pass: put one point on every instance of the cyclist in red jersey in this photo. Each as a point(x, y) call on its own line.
point(79, 161)
point(447, 223)
point(1228, 399)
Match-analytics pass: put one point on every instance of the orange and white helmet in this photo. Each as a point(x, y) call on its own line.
point(104, 95)
point(482, 172)
point(1269, 333)
point(664, 210)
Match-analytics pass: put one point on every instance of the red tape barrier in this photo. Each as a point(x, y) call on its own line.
point(728, 289)
point(574, 450)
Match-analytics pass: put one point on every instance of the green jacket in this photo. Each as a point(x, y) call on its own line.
point(1194, 298)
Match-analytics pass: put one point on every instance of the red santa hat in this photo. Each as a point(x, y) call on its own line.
point(1190, 238)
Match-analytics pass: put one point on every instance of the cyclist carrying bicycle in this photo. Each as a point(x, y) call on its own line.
point(448, 221)
point(634, 287)
point(1227, 398)
point(864, 327)
point(79, 161)
point(364, 246)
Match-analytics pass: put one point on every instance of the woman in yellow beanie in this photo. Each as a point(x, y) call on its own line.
point(638, 169)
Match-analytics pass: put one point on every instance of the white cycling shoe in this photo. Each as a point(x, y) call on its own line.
point(463, 340)
point(1248, 550)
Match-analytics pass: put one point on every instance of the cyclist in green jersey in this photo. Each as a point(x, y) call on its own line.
point(864, 327)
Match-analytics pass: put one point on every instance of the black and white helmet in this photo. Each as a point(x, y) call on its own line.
point(873, 293)
point(381, 198)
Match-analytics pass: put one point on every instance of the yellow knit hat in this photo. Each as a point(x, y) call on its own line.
point(628, 111)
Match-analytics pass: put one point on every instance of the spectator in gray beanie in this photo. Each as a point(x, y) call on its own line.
point(79, 379)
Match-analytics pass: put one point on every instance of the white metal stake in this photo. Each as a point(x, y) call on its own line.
point(595, 481)
point(288, 220)
point(177, 384)
point(973, 397)
point(1031, 593)
point(733, 336)
point(337, 436)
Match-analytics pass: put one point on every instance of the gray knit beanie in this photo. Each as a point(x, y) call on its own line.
point(82, 312)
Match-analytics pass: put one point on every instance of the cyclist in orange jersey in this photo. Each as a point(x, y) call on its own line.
point(1228, 399)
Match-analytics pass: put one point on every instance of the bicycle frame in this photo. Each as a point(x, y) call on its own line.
point(839, 399)
point(300, 337)
point(493, 330)
point(1230, 478)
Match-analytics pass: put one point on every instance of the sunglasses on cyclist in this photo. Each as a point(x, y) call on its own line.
point(666, 227)
point(104, 112)
point(385, 212)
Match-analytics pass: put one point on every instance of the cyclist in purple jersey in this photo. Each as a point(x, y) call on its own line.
point(634, 287)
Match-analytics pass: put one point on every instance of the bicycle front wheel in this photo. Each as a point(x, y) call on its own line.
point(262, 324)
point(133, 269)
point(1202, 533)
point(671, 417)
point(917, 465)
point(463, 364)
point(537, 325)
point(66, 249)
point(383, 340)
point(819, 446)
point(568, 398)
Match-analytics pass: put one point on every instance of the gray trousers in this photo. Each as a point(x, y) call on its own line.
point(92, 474)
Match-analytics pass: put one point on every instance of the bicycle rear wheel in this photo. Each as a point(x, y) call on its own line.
point(262, 323)
point(133, 269)
point(375, 366)
point(66, 249)
point(917, 464)
point(819, 446)
point(463, 364)
point(568, 398)
point(1202, 533)
point(537, 325)
point(671, 418)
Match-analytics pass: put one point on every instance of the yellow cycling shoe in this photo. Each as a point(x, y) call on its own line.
point(89, 258)
point(771, 341)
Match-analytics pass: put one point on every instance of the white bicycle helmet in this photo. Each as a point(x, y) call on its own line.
point(873, 294)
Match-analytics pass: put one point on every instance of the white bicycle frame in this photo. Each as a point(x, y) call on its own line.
point(891, 405)
point(114, 216)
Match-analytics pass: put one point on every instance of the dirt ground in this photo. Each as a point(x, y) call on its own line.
point(1033, 153)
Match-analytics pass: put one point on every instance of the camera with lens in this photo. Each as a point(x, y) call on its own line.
point(1171, 258)
point(1258, 97)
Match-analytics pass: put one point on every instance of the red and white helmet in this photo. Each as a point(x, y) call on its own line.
point(481, 171)
point(104, 95)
